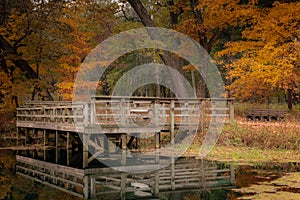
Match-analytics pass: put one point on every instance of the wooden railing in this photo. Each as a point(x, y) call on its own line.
point(124, 112)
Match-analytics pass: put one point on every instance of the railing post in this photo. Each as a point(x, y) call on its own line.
point(122, 110)
point(172, 120)
point(214, 116)
point(232, 175)
point(156, 112)
point(93, 111)
point(231, 110)
point(202, 110)
point(85, 114)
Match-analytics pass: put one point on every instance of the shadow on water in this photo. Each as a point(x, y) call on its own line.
point(189, 179)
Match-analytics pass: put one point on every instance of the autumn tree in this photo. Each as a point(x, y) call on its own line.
point(42, 44)
point(267, 59)
point(15, 28)
point(87, 23)
point(206, 21)
point(30, 43)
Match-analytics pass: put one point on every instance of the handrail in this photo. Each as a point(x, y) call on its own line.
point(102, 110)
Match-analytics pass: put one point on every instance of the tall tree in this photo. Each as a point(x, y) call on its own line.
point(204, 20)
point(166, 57)
point(88, 23)
point(267, 59)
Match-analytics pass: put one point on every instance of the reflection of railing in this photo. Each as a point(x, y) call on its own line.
point(95, 183)
point(64, 178)
point(122, 112)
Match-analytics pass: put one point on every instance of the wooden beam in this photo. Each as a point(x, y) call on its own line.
point(86, 187)
point(156, 183)
point(123, 186)
point(93, 187)
point(172, 121)
point(85, 153)
point(57, 147)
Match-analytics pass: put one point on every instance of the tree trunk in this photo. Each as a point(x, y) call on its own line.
point(205, 42)
point(166, 57)
point(290, 99)
point(20, 63)
point(201, 90)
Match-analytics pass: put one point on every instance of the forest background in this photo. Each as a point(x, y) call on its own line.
point(254, 43)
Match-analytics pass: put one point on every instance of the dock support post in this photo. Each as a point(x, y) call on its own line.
point(46, 142)
point(69, 148)
point(93, 188)
point(124, 148)
point(106, 145)
point(232, 175)
point(137, 141)
point(173, 173)
point(17, 139)
point(26, 137)
point(85, 150)
point(123, 186)
point(86, 187)
point(57, 148)
point(156, 183)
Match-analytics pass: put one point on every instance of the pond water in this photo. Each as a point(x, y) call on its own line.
point(259, 181)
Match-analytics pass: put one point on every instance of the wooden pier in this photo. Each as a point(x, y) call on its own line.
point(72, 138)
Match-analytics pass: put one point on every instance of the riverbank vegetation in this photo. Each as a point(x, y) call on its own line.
point(256, 141)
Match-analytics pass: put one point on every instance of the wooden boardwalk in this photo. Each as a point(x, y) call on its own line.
point(80, 128)
point(68, 135)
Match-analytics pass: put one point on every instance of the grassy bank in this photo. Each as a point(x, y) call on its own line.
point(279, 135)
point(248, 141)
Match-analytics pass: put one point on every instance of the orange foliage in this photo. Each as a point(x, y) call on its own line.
point(267, 59)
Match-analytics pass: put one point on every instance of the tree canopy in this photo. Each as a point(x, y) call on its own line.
point(266, 60)
point(43, 43)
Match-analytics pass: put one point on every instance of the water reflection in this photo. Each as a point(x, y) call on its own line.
point(194, 179)
point(186, 178)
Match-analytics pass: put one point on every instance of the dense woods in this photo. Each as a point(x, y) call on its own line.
point(43, 43)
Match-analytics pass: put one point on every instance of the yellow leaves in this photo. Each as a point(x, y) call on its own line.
point(65, 89)
point(268, 58)
point(188, 67)
point(78, 45)
point(279, 25)
point(5, 84)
